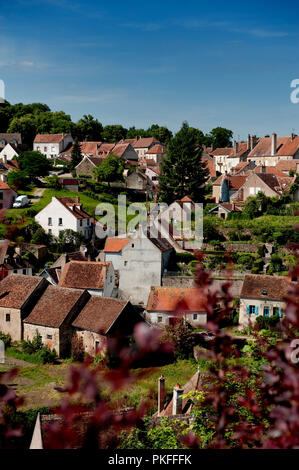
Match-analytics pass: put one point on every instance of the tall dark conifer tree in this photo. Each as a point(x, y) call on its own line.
point(183, 171)
point(76, 154)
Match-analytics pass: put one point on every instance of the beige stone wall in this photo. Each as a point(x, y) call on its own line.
point(162, 318)
point(245, 319)
point(44, 331)
point(85, 168)
point(257, 185)
point(216, 192)
point(90, 340)
point(12, 327)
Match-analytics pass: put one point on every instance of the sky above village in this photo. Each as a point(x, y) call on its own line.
point(226, 63)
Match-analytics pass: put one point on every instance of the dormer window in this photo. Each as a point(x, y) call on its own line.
point(264, 292)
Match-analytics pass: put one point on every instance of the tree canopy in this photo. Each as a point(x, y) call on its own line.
point(34, 163)
point(183, 172)
point(111, 169)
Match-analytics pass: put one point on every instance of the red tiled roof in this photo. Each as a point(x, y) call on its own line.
point(69, 182)
point(145, 142)
point(273, 170)
point(235, 181)
point(223, 151)
point(106, 148)
point(90, 147)
point(115, 245)
point(84, 275)
point(193, 384)
point(274, 287)
point(186, 199)
point(73, 207)
point(54, 306)
point(229, 207)
point(165, 299)
point(4, 186)
point(290, 147)
point(16, 288)
point(99, 314)
point(287, 165)
point(263, 147)
point(157, 149)
point(210, 167)
point(49, 138)
point(119, 149)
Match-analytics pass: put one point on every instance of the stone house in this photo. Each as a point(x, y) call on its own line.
point(224, 208)
point(262, 295)
point(53, 315)
point(143, 145)
point(270, 150)
point(125, 151)
point(12, 262)
point(7, 195)
point(138, 181)
point(153, 175)
point(64, 213)
point(96, 277)
point(227, 158)
point(87, 165)
point(18, 296)
point(102, 318)
point(163, 302)
point(143, 262)
point(267, 183)
point(51, 145)
point(157, 153)
point(285, 166)
point(226, 186)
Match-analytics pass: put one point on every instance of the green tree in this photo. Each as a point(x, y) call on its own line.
point(27, 126)
point(40, 237)
point(219, 137)
point(88, 128)
point(114, 133)
point(76, 155)
point(183, 172)
point(34, 163)
point(69, 240)
point(161, 133)
point(111, 169)
point(17, 179)
point(53, 182)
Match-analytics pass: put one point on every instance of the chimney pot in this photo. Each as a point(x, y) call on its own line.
point(273, 144)
point(177, 405)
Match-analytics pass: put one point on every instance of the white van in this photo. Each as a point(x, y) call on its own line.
point(21, 201)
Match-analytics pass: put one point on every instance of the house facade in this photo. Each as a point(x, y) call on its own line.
point(8, 153)
point(18, 295)
point(52, 317)
point(14, 139)
point(65, 213)
point(262, 295)
point(51, 145)
point(7, 195)
point(87, 165)
point(143, 144)
point(163, 302)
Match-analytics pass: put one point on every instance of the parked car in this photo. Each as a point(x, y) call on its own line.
point(21, 201)
point(206, 335)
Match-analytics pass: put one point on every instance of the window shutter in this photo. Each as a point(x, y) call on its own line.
point(256, 310)
point(279, 312)
point(248, 312)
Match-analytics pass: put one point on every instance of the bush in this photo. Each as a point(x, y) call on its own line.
point(6, 339)
point(266, 323)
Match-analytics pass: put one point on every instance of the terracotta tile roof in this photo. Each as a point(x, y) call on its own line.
point(4, 186)
point(192, 384)
point(290, 147)
point(257, 286)
point(120, 149)
point(278, 184)
point(84, 275)
point(273, 170)
point(49, 138)
point(145, 142)
point(128, 141)
point(4, 244)
point(210, 167)
point(99, 314)
point(16, 288)
point(165, 299)
point(73, 207)
point(287, 165)
point(223, 151)
point(235, 181)
point(115, 245)
point(65, 258)
point(229, 207)
point(69, 182)
point(105, 149)
point(263, 147)
point(157, 149)
point(186, 199)
point(54, 306)
point(90, 148)
point(10, 164)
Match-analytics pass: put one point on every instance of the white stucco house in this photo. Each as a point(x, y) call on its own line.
point(51, 145)
point(64, 213)
point(8, 153)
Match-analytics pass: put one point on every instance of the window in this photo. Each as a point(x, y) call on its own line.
point(125, 263)
point(1, 195)
point(45, 149)
point(111, 279)
point(133, 245)
point(1, 205)
point(87, 222)
point(97, 345)
point(266, 311)
point(80, 222)
point(38, 148)
point(277, 311)
point(49, 231)
point(50, 221)
point(7, 317)
point(194, 316)
point(252, 310)
point(59, 221)
point(160, 319)
point(24, 271)
point(49, 336)
point(15, 271)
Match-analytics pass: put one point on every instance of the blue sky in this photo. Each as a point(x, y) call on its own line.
point(137, 63)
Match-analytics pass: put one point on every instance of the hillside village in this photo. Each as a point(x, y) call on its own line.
point(64, 286)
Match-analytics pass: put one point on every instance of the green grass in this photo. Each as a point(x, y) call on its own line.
point(17, 354)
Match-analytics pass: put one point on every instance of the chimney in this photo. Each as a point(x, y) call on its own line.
point(249, 142)
point(4, 159)
point(263, 169)
point(236, 146)
point(252, 142)
point(293, 136)
point(77, 200)
point(104, 272)
point(273, 144)
point(177, 400)
point(161, 394)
